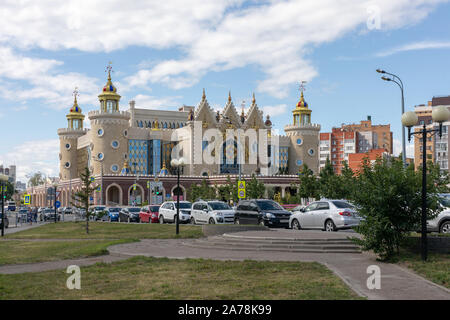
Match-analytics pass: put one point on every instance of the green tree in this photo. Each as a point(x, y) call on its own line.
point(389, 200)
point(82, 197)
point(35, 179)
point(254, 189)
point(10, 191)
point(308, 185)
point(328, 182)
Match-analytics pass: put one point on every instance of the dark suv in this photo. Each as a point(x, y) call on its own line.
point(263, 212)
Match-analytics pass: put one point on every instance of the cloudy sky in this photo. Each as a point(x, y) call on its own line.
point(164, 52)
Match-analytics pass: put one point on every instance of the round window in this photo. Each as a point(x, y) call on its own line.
point(115, 144)
point(68, 146)
point(299, 141)
point(67, 165)
point(100, 132)
point(114, 168)
point(299, 162)
point(100, 156)
point(311, 152)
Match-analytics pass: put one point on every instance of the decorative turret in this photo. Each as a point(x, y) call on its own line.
point(125, 169)
point(109, 98)
point(164, 171)
point(75, 117)
point(302, 114)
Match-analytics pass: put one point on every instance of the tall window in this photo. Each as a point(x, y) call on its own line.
point(110, 105)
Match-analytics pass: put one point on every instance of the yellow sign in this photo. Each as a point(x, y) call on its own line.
point(26, 199)
point(241, 189)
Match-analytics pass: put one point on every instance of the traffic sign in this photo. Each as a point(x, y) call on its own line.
point(92, 179)
point(57, 204)
point(99, 188)
point(148, 184)
point(241, 189)
point(134, 187)
point(26, 199)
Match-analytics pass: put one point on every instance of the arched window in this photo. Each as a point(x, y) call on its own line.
point(110, 105)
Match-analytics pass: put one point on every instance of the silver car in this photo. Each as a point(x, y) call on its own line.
point(441, 223)
point(328, 215)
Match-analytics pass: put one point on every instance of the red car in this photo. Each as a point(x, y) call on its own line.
point(149, 214)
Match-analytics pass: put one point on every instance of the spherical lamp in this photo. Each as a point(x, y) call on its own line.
point(440, 114)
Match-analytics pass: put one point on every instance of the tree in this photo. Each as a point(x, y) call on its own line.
point(83, 196)
point(35, 179)
point(328, 182)
point(389, 200)
point(254, 189)
point(10, 191)
point(308, 185)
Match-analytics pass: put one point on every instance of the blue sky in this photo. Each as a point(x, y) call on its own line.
point(163, 54)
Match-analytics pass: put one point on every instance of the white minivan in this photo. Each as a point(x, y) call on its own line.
point(211, 212)
point(168, 212)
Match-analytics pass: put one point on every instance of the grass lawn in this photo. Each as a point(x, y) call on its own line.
point(436, 269)
point(106, 230)
point(162, 278)
point(15, 252)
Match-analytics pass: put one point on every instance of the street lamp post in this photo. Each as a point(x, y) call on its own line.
point(54, 195)
point(439, 114)
point(3, 179)
point(178, 163)
point(101, 178)
point(400, 84)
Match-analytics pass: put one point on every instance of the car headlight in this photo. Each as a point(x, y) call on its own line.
point(270, 215)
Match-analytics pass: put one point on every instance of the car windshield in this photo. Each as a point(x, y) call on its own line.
point(49, 211)
point(99, 208)
point(134, 209)
point(269, 205)
point(342, 205)
point(154, 208)
point(445, 202)
point(114, 209)
point(219, 206)
point(184, 205)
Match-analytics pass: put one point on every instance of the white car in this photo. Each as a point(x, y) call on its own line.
point(442, 222)
point(328, 215)
point(211, 212)
point(168, 212)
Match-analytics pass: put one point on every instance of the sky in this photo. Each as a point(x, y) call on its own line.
point(164, 53)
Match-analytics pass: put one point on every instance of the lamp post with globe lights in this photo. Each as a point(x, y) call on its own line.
point(3, 179)
point(440, 114)
point(178, 164)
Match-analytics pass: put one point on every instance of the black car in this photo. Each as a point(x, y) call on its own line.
point(263, 212)
point(130, 214)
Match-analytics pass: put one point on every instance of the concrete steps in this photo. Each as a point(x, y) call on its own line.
point(247, 243)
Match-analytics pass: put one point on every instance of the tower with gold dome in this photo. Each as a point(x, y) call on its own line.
point(304, 138)
point(68, 139)
point(108, 147)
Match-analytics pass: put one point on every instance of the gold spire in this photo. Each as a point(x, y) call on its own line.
point(229, 96)
point(253, 100)
point(204, 95)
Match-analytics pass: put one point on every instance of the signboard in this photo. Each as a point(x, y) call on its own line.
point(26, 199)
point(134, 187)
point(99, 188)
point(92, 179)
point(241, 189)
point(57, 204)
point(4, 189)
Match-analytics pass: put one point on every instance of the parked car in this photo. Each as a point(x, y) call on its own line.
point(211, 212)
point(168, 212)
point(328, 215)
point(263, 212)
point(129, 214)
point(149, 214)
point(22, 215)
point(6, 220)
point(441, 223)
point(49, 215)
point(298, 208)
point(112, 214)
point(98, 212)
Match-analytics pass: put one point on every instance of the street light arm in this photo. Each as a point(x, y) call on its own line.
point(397, 77)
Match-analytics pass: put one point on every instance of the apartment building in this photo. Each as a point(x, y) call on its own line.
point(437, 147)
point(361, 138)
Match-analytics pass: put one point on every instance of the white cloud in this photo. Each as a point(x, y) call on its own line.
point(274, 111)
point(151, 102)
point(42, 80)
point(398, 148)
point(422, 45)
point(276, 36)
point(33, 156)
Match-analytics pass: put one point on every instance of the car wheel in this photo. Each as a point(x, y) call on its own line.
point(161, 219)
point(296, 225)
point(192, 220)
point(445, 227)
point(330, 226)
point(236, 221)
point(211, 221)
point(109, 219)
point(261, 223)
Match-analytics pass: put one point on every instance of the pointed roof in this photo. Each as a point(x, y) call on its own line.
point(230, 112)
point(254, 116)
point(204, 112)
